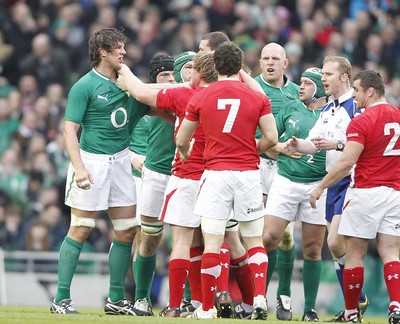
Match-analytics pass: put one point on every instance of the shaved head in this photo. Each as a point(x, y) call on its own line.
point(273, 63)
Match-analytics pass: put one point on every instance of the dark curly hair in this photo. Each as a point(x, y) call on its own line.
point(228, 58)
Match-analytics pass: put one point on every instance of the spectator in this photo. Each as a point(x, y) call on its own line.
point(19, 27)
point(8, 66)
point(393, 92)
point(8, 125)
point(29, 91)
point(10, 227)
point(47, 63)
point(37, 237)
point(13, 180)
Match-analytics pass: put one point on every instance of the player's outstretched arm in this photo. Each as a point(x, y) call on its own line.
point(283, 149)
point(340, 169)
point(131, 83)
point(300, 145)
point(267, 126)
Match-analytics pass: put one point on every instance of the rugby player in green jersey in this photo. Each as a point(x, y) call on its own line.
point(153, 134)
point(280, 90)
point(99, 175)
point(296, 178)
point(155, 175)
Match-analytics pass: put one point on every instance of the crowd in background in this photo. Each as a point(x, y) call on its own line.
point(43, 51)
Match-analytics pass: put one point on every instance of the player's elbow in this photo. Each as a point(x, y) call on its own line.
point(272, 139)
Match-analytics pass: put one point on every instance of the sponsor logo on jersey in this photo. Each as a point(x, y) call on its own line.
point(103, 97)
point(352, 135)
point(293, 123)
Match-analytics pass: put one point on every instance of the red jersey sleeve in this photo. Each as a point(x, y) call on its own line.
point(192, 110)
point(356, 129)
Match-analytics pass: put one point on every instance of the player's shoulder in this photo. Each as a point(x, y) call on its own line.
point(292, 85)
point(87, 81)
point(295, 103)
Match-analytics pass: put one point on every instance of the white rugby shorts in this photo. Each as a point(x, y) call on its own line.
point(138, 186)
point(179, 201)
point(113, 183)
point(222, 192)
point(368, 211)
point(268, 169)
point(291, 201)
point(152, 192)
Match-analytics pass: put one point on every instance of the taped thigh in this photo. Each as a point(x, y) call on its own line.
point(213, 226)
point(252, 228)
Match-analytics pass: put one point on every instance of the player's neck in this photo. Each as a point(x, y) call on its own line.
point(234, 76)
point(341, 92)
point(107, 71)
point(316, 104)
point(375, 101)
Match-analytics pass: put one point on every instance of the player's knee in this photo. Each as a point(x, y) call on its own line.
point(312, 251)
point(82, 221)
point(270, 239)
point(336, 244)
point(152, 229)
point(124, 224)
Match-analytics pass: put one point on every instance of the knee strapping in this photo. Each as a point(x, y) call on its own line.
point(287, 239)
point(152, 229)
point(82, 221)
point(124, 224)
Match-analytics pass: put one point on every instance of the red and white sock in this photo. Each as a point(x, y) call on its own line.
point(391, 271)
point(210, 270)
point(353, 280)
point(244, 278)
point(178, 270)
point(225, 258)
point(195, 273)
point(258, 263)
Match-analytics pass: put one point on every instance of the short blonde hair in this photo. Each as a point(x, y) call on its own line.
point(344, 64)
point(204, 64)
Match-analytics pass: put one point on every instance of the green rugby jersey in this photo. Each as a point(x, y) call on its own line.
point(278, 97)
point(161, 146)
point(139, 139)
point(295, 119)
point(106, 113)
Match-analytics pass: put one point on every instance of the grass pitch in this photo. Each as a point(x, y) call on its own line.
point(42, 315)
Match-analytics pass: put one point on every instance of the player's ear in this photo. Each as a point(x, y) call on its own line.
point(102, 52)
